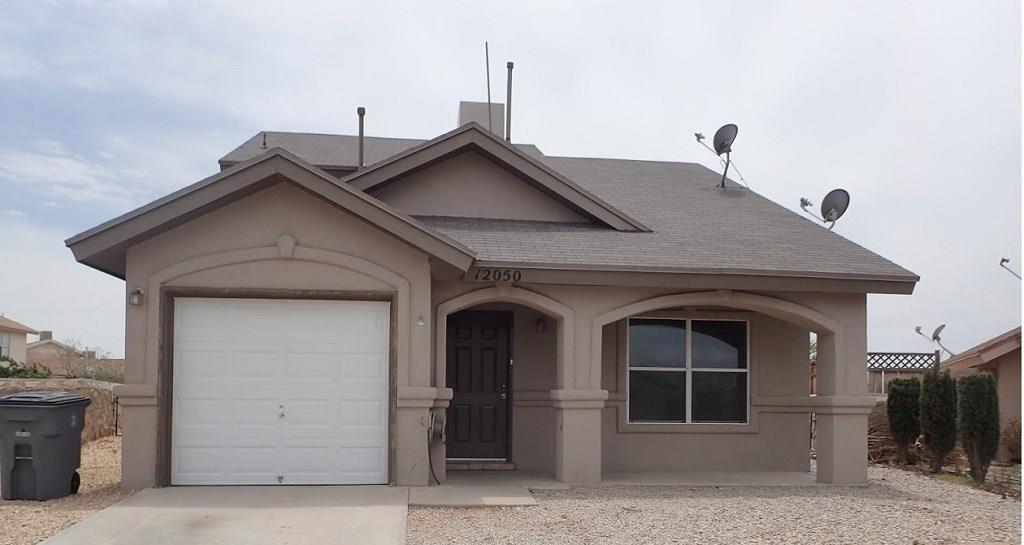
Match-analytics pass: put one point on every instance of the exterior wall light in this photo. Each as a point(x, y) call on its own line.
point(420, 322)
point(135, 297)
point(542, 325)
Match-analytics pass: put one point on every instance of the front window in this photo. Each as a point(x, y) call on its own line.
point(5, 345)
point(686, 371)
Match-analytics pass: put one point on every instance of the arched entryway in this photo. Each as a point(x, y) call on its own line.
point(501, 351)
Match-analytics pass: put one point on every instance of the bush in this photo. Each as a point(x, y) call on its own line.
point(978, 421)
point(903, 406)
point(1011, 439)
point(12, 369)
point(938, 416)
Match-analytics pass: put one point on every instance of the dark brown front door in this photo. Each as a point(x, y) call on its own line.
point(478, 372)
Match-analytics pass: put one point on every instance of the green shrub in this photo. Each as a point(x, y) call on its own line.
point(12, 369)
point(903, 408)
point(938, 416)
point(1011, 439)
point(978, 421)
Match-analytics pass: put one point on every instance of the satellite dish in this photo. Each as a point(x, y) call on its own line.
point(724, 137)
point(938, 330)
point(834, 205)
point(918, 330)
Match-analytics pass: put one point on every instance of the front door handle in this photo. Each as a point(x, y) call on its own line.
point(504, 395)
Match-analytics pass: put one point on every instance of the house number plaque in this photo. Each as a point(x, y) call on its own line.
point(494, 275)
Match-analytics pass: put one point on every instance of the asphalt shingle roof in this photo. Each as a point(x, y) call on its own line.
point(696, 227)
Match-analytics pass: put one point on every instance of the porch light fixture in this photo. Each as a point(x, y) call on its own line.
point(420, 322)
point(135, 297)
point(542, 324)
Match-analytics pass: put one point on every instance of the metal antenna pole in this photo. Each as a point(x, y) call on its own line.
point(487, 60)
point(726, 171)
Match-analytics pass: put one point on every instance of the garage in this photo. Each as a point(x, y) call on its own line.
point(279, 391)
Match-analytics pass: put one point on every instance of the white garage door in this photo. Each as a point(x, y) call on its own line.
point(280, 392)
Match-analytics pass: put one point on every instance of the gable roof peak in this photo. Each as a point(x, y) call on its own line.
point(474, 136)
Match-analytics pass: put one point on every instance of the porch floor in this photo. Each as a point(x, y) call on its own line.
point(543, 481)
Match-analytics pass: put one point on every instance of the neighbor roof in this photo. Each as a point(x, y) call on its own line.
point(987, 351)
point(694, 226)
point(7, 324)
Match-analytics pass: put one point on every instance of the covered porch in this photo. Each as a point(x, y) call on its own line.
point(575, 416)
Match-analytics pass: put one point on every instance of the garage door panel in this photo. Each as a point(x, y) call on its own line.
point(238, 364)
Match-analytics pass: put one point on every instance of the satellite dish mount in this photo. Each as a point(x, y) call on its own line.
point(833, 206)
point(724, 137)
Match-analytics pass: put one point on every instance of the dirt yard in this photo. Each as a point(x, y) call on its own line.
point(897, 507)
point(28, 522)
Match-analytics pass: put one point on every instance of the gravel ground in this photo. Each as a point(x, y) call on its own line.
point(897, 507)
point(28, 522)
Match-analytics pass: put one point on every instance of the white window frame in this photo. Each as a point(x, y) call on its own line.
point(688, 370)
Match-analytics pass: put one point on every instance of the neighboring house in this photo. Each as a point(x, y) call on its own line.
point(64, 360)
point(297, 319)
point(1001, 357)
point(13, 339)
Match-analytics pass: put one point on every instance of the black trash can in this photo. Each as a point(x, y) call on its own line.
point(40, 444)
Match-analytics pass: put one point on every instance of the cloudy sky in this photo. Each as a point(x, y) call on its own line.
point(914, 108)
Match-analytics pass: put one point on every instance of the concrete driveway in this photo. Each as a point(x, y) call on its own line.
point(249, 515)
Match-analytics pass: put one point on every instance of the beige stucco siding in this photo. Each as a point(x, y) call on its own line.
point(18, 343)
point(469, 185)
point(279, 238)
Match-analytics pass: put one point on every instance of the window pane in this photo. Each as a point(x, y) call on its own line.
point(657, 396)
point(719, 396)
point(657, 343)
point(719, 344)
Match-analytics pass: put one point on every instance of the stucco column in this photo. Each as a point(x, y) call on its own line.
point(578, 434)
point(841, 406)
point(413, 449)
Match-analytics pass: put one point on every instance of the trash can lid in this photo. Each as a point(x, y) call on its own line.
point(42, 397)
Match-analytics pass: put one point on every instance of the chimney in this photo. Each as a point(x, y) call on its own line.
point(45, 335)
point(477, 111)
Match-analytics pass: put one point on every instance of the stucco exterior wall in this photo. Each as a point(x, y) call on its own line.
point(469, 185)
point(18, 343)
point(279, 238)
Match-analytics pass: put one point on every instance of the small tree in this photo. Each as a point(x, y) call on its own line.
point(938, 416)
point(903, 408)
point(978, 421)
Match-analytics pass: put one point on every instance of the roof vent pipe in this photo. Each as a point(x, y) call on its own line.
point(508, 105)
point(362, 113)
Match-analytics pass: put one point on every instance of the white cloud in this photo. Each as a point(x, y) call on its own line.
point(56, 173)
point(45, 288)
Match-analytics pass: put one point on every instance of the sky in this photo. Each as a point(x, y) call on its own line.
point(913, 107)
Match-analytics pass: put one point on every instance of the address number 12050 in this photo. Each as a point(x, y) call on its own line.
point(497, 275)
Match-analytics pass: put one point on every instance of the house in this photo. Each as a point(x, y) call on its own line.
point(62, 359)
point(13, 337)
point(331, 309)
point(1000, 356)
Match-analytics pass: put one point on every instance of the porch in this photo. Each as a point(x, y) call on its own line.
point(728, 404)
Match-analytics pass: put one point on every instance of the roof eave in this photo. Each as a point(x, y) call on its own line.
point(90, 245)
